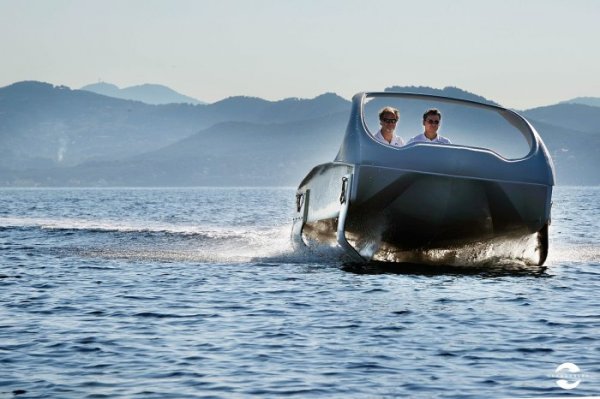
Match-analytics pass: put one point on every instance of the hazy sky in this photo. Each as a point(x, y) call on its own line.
point(520, 53)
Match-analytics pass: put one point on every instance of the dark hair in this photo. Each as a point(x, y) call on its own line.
point(432, 111)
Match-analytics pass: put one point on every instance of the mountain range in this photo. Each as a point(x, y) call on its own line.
point(593, 101)
point(147, 93)
point(55, 136)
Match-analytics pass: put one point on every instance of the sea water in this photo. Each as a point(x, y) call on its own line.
point(197, 293)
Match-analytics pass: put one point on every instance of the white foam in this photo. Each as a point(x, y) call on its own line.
point(577, 253)
point(113, 226)
point(247, 243)
point(212, 244)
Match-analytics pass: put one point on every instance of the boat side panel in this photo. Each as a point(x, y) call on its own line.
point(325, 182)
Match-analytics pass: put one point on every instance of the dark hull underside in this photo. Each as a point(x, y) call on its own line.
point(414, 217)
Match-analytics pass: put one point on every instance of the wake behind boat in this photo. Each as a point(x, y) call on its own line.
point(483, 197)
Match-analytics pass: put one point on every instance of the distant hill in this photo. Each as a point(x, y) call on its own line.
point(257, 110)
point(43, 126)
point(55, 136)
point(591, 101)
point(48, 125)
point(576, 117)
point(574, 153)
point(227, 154)
point(147, 93)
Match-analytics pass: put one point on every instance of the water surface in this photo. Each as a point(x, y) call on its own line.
point(159, 293)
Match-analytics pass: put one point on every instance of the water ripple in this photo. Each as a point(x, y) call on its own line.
point(217, 305)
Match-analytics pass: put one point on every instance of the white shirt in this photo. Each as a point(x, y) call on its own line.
point(421, 138)
point(396, 141)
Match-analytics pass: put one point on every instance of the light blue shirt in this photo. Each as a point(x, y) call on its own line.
point(421, 138)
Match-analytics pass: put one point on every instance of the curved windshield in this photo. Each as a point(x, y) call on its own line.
point(463, 123)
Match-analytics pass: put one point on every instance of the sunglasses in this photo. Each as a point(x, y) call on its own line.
point(388, 120)
point(431, 121)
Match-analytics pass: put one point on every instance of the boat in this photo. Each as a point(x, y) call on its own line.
point(484, 198)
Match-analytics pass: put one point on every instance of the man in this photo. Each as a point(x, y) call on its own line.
point(431, 123)
point(388, 117)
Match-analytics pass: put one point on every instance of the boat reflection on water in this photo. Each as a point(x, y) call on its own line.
point(491, 269)
point(485, 199)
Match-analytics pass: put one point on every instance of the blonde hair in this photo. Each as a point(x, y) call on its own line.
point(390, 110)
